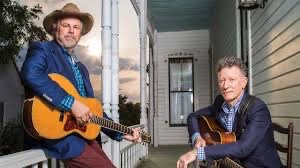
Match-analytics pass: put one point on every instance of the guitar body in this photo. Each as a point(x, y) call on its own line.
point(212, 133)
point(41, 120)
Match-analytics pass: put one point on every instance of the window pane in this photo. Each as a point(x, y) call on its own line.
point(181, 104)
point(181, 74)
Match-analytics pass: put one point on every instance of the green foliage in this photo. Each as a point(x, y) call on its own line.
point(18, 28)
point(129, 112)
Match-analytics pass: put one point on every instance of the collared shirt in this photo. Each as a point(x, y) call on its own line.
point(68, 101)
point(227, 116)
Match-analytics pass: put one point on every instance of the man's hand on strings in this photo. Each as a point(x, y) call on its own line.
point(81, 112)
point(135, 136)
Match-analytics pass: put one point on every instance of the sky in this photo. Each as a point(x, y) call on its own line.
point(89, 47)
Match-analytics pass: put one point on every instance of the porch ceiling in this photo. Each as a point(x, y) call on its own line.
point(179, 15)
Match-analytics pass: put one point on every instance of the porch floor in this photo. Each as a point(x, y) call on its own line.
point(164, 156)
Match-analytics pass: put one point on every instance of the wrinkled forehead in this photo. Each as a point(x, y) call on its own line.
point(230, 71)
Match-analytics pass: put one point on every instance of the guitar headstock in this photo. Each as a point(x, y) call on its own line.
point(146, 138)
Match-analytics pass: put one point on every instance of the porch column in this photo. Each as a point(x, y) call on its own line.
point(106, 62)
point(143, 41)
point(115, 77)
point(155, 119)
point(250, 82)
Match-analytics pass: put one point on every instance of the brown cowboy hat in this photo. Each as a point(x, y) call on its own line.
point(69, 10)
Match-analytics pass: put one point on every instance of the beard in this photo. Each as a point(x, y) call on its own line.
point(68, 42)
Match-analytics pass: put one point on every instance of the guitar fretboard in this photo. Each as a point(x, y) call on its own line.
point(118, 127)
point(111, 125)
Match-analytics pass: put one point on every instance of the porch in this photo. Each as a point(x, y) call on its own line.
point(164, 156)
point(132, 156)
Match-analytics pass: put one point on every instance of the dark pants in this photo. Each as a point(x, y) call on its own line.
point(92, 157)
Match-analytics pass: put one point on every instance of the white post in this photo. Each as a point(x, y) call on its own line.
point(155, 121)
point(249, 53)
point(143, 36)
point(115, 77)
point(238, 29)
point(151, 94)
point(143, 40)
point(106, 60)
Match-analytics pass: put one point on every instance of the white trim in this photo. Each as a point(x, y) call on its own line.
point(155, 60)
point(23, 159)
point(238, 29)
point(250, 83)
point(115, 77)
point(106, 34)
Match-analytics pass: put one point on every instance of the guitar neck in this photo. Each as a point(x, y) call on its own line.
point(111, 125)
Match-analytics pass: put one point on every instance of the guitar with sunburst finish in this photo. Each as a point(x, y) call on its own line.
point(43, 121)
point(213, 134)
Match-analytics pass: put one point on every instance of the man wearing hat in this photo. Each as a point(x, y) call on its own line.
point(66, 26)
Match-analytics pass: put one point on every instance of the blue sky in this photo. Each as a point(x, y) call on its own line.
point(89, 47)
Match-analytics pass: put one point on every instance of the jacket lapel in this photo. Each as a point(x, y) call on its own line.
point(67, 70)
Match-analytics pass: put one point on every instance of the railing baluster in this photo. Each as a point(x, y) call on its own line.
point(45, 164)
point(53, 163)
point(130, 155)
point(36, 165)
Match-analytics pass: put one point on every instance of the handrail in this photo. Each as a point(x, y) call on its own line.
point(23, 159)
point(130, 153)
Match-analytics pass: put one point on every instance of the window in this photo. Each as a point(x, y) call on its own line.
point(181, 90)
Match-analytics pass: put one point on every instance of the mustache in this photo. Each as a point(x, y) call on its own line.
point(70, 36)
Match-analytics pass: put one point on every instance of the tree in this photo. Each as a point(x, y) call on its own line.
point(18, 28)
point(129, 112)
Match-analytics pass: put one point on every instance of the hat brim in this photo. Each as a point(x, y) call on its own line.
point(86, 19)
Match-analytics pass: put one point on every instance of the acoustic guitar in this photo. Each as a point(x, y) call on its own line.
point(213, 134)
point(43, 121)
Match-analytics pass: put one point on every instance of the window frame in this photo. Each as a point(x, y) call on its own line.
point(169, 83)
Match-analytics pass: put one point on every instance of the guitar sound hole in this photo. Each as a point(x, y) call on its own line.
point(71, 124)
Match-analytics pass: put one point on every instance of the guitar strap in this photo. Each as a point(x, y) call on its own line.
point(244, 106)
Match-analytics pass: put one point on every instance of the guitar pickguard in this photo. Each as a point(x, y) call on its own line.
point(72, 124)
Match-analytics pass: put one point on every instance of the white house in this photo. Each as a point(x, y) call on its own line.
point(186, 39)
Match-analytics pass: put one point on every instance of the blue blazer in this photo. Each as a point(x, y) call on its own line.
point(42, 59)
point(255, 148)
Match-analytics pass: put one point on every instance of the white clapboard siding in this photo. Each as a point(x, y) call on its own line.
point(197, 43)
point(276, 64)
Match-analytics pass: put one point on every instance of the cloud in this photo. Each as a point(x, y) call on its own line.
point(126, 80)
point(128, 64)
point(130, 84)
point(92, 62)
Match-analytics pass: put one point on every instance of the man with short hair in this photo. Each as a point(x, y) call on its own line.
point(255, 145)
point(66, 26)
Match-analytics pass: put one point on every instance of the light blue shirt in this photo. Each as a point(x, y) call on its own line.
point(227, 116)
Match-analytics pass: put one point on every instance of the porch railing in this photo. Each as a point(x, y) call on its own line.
point(130, 153)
